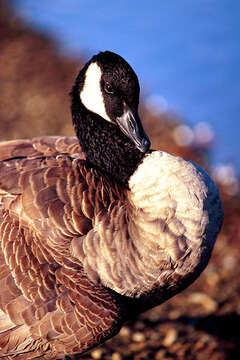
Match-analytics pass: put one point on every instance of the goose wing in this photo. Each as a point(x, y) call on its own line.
point(48, 307)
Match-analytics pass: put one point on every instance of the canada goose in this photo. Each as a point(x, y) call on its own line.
point(93, 234)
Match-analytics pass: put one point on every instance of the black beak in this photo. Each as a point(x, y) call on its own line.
point(131, 126)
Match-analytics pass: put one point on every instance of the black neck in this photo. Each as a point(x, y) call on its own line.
point(105, 146)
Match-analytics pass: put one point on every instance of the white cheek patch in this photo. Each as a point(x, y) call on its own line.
point(91, 94)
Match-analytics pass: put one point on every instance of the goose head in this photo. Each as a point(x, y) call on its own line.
point(105, 100)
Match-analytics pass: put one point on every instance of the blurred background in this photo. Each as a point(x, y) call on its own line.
point(186, 55)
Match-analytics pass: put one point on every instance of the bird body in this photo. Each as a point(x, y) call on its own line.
point(94, 233)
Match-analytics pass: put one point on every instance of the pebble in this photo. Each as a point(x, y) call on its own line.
point(136, 347)
point(116, 356)
point(125, 331)
point(138, 337)
point(97, 354)
point(212, 279)
point(174, 314)
point(160, 354)
point(170, 337)
point(206, 301)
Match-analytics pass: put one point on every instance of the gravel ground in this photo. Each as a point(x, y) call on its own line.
point(200, 323)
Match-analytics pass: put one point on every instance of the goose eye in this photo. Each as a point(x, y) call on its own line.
point(108, 88)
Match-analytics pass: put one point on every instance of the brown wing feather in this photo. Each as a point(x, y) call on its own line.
point(40, 146)
point(48, 306)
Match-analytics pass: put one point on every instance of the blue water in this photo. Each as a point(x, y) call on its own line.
point(187, 51)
